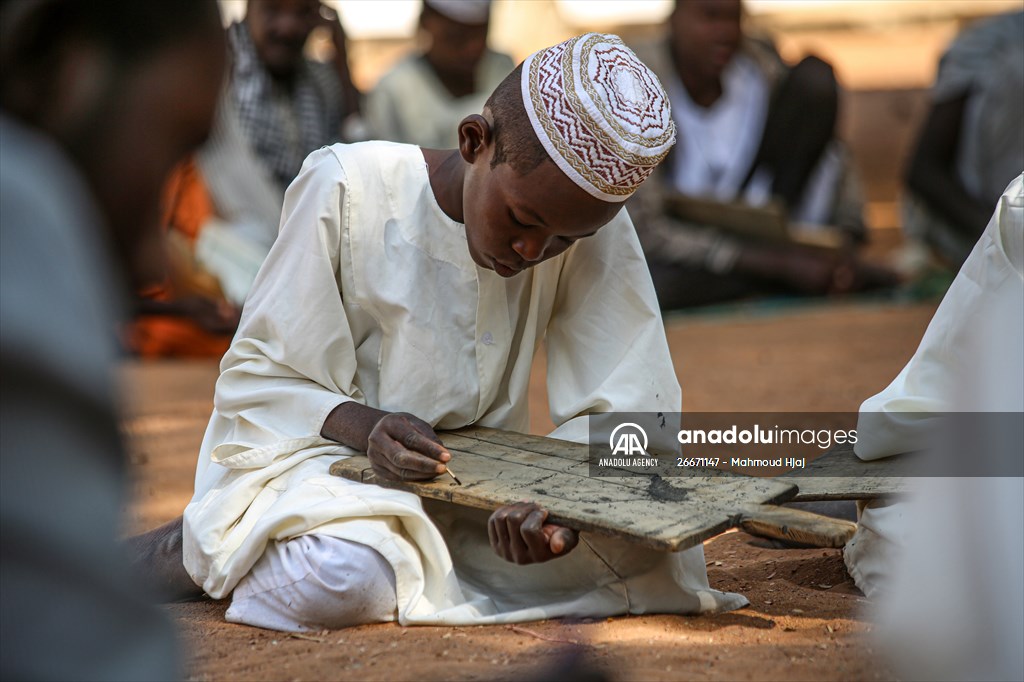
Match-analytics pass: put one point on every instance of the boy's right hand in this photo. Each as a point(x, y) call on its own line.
point(402, 447)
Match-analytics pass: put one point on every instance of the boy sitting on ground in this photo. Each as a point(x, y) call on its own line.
point(421, 282)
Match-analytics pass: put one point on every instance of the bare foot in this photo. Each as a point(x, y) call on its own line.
point(156, 556)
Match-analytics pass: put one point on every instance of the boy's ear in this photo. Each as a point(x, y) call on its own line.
point(475, 136)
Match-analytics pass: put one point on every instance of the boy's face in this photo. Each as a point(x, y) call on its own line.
point(514, 221)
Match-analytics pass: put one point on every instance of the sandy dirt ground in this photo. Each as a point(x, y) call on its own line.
point(806, 620)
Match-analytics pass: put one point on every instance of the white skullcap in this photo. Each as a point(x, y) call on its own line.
point(599, 112)
point(471, 12)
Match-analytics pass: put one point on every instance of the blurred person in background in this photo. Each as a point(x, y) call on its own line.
point(753, 131)
point(99, 101)
point(972, 141)
point(288, 105)
point(422, 99)
point(222, 206)
point(946, 567)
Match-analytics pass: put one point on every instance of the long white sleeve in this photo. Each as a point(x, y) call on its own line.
point(293, 359)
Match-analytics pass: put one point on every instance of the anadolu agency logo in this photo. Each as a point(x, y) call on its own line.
point(628, 440)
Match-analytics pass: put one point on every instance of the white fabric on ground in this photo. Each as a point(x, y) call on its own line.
point(870, 553)
point(315, 582)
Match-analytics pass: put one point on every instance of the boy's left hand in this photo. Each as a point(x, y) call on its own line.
point(518, 534)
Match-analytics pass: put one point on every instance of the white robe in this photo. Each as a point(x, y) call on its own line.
point(979, 316)
point(370, 294)
point(950, 562)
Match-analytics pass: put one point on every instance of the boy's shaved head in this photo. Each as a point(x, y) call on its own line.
point(515, 143)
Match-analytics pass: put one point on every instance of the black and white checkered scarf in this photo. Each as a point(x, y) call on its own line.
point(283, 126)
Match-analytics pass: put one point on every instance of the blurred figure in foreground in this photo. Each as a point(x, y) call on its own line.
point(422, 100)
point(99, 101)
point(947, 567)
point(754, 132)
point(972, 141)
point(223, 205)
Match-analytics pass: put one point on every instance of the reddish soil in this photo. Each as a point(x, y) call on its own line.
point(806, 620)
point(804, 623)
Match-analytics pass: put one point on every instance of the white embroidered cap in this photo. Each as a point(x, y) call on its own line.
point(472, 12)
point(600, 113)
